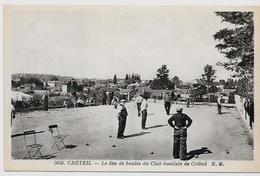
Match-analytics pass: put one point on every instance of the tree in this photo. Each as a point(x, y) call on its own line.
point(176, 80)
point(208, 76)
point(230, 84)
point(163, 73)
point(237, 44)
point(126, 77)
point(31, 80)
point(115, 79)
point(54, 78)
point(222, 82)
point(162, 79)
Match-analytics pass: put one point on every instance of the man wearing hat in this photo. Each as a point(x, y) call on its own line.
point(121, 115)
point(180, 122)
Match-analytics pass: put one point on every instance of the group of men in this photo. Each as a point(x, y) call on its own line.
point(142, 106)
point(178, 121)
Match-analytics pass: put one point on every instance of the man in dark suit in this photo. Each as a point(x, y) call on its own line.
point(121, 115)
point(45, 100)
point(180, 122)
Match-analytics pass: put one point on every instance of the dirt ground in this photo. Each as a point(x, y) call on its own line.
point(92, 133)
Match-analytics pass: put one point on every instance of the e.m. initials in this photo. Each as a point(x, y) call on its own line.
point(220, 163)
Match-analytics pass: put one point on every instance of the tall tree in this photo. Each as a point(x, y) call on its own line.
point(162, 79)
point(237, 43)
point(54, 78)
point(176, 80)
point(209, 76)
point(230, 84)
point(115, 79)
point(126, 77)
point(163, 73)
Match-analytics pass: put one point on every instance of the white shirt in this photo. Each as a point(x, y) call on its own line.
point(219, 100)
point(144, 105)
point(139, 99)
point(119, 108)
point(12, 108)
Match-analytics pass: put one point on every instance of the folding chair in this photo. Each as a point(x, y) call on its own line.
point(57, 137)
point(33, 148)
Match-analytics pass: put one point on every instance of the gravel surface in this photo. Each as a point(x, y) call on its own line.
point(92, 133)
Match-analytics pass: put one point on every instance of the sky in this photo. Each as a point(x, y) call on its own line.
point(102, 41)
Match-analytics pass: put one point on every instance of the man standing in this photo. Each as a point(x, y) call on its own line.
point(188, 101)
point(144, 106)
point(111, 96)
point(167, 103)
point(12, 112)
point(104, 98)
point(121, 115)
point(139, 100)
point(219, 104)
point(45, 101)
point(249, 108)
point(181, 123)
point(115, 102)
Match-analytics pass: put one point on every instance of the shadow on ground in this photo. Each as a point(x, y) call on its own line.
point(225, 112)
point(197, 152)
point(70, 146)
point(137, 134)
point(47, 157)
point(156, 126)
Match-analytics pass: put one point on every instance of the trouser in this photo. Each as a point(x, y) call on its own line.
point(121, 126)
point(251, 118)
point(45, 106)
point(144, 117)
point(12, 116)
point(139, 108)
point(219, 108)
point(167, 106)
point(179, 143)
point(188, 103)
point(104, 101)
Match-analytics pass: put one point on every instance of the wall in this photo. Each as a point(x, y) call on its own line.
point(240, 107)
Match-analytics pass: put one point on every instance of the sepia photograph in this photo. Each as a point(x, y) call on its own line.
point(100, 85)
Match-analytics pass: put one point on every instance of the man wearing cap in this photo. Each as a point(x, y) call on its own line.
point(181, 123)
point(121, 115)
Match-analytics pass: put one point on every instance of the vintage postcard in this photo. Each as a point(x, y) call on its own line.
point(131, 88)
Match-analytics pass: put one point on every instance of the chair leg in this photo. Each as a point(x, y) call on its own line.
point(27, 154)
point(62, 140)
point(38, 151)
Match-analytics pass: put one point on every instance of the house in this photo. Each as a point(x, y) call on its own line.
point(40, 92)
point(54, 83)
point(228, 92)
point(20, 96)
point(26, 88)
point(128, 94)
point(64, 89)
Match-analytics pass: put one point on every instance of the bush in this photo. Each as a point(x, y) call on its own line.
point(159, 97)
point(57, 101)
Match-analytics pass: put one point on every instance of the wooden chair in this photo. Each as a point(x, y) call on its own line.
point(33, 148)
point(57, 137)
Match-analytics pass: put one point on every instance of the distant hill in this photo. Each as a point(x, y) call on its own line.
point(46, 77)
